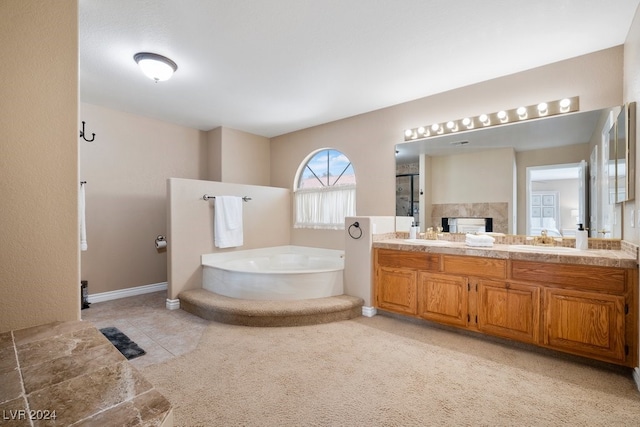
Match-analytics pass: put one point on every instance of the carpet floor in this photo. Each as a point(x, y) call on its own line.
point(385, 371)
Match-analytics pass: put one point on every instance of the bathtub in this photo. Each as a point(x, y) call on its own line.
point(276, 273)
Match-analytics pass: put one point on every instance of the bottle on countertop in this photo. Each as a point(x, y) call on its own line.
point(582, 238)
point(413, 231)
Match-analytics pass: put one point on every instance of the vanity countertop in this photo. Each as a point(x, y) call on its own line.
point(559, 255)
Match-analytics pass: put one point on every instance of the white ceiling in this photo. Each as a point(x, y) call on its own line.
point(270, 67)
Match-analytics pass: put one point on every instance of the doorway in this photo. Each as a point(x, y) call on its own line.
point(556, 199)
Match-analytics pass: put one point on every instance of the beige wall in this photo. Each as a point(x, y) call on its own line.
point(239, 157)
point(482, 177)
point(39, 257)
point(214, 155)
point(369, 139)
point(266, 222)
point(126, 168)
point(244, 158)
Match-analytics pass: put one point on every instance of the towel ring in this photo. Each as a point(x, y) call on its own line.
point(355, 225)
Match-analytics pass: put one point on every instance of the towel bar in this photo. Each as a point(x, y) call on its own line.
point(208, 197)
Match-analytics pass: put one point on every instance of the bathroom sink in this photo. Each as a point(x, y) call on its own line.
point(429, 242)
point(534, 248)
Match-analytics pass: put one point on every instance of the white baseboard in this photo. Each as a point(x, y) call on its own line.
point(636, 377)
point(129, 292)
point(369, 311)
point(173, 304)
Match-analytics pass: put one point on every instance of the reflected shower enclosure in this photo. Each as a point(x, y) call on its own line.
point(407, 195)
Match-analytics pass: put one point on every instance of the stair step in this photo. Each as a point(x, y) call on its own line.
point(234, 311)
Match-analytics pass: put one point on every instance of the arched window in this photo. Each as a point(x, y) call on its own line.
point(325, 191)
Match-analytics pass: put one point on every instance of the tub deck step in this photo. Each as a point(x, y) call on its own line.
point(233, 311)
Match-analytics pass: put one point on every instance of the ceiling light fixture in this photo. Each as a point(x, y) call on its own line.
point(154, 66)
point(502, 117)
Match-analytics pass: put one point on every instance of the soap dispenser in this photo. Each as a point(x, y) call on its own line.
point(413, 231)
point(582, 238)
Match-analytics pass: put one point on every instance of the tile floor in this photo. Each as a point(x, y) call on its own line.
point(163, 334)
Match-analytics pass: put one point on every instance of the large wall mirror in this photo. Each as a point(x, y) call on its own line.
point(623, 148)
point(482, 173)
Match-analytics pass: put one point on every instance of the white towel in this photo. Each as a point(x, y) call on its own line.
point(479, 240)
point(227, 222)
point(83, 222)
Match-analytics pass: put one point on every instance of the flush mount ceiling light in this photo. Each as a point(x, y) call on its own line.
point(502, 117)
point(154, 66)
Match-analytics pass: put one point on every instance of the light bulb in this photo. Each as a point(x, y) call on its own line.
point(502, 115)
point(467, 122)
point(565, 104)
point(484, 119)
point(522, 113)
point(543, 108)
point(407, 133)
point(451, 125)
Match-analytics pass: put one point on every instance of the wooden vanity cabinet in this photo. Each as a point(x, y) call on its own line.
point(496, 305)
point(586, 308)
point(396, 278)
point(580, 309)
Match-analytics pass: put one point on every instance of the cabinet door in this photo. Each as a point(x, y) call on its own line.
point(585, 323)
point(509, 310)
point(396, 289)
point(443, 298)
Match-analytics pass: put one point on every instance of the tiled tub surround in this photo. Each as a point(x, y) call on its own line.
point(69, 374)
point(499, 212)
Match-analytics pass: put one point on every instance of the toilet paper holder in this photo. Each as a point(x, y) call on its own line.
point(161, 242)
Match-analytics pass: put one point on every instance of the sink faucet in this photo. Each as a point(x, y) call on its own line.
point(430, 234)
point(543, 239)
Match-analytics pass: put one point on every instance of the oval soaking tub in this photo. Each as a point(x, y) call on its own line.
point(276, 273)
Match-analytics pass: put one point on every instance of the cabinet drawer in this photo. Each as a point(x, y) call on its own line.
point(475, 266)
point(408, 259)
point(585, 277)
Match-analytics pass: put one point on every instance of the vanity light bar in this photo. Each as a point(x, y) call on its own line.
point(520, 114)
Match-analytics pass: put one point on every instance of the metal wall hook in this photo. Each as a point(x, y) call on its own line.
point(93, 135)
